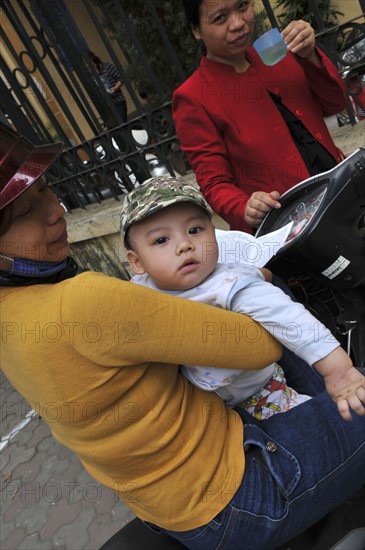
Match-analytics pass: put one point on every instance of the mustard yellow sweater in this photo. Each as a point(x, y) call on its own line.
point(97, 358)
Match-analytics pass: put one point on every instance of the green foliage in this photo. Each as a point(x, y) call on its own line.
point(262, 24)
point(302, 9)
point(172, 18)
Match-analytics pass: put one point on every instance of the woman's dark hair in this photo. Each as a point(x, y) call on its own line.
point(192, 11)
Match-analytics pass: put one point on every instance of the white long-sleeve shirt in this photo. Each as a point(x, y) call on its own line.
point(242, 288)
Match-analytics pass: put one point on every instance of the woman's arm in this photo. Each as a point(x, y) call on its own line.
point(324, 79)
point(138, 325)
point(326, 84)
point(207, 154)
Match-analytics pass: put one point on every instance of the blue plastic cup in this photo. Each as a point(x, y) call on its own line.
point(271, 47)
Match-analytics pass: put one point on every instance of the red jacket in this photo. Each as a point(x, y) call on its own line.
point(235, 137)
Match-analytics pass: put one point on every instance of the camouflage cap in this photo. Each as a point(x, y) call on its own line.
point(154, 195)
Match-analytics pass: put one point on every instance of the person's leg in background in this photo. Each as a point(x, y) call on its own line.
point(121, 107)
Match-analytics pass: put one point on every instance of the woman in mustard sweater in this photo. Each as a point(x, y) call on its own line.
point(98, 358)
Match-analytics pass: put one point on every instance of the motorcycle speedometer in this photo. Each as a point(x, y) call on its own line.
point(300, 213)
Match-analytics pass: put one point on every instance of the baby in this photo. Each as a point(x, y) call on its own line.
point(171, 246)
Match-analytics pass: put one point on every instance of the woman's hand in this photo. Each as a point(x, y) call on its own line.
point(299, 39)
point(258, 206)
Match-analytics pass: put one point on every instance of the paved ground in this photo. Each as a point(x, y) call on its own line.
point(349, 138)
point(47, 498)
point(48, 501)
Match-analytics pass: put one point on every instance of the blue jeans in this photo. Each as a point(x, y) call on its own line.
point(300, 465)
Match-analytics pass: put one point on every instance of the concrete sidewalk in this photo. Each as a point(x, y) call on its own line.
point(48, 500)
point(348, 138)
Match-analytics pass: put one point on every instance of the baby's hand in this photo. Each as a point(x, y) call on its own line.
point(347, 389)
point(258, 206)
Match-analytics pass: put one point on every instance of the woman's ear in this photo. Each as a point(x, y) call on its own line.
point(196, 33)
point(135, 263)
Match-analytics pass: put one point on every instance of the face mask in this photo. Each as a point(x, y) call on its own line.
point(29, 268)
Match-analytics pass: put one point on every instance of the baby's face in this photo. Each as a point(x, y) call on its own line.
point(175, 246)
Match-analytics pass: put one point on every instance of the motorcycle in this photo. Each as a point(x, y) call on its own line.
point(323, 257)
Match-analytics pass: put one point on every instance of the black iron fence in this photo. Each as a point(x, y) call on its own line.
point(113, 162)
point(49, 90)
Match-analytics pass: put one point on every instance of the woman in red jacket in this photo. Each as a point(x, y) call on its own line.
point(252, 131)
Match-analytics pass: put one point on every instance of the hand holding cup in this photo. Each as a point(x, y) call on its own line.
point(271, 47)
